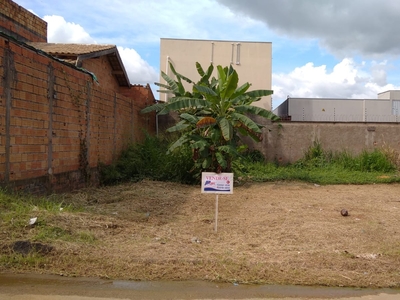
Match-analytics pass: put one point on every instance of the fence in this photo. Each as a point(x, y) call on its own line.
point(56, 123)
point(286, 142)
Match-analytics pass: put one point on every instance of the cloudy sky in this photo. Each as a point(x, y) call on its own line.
point(329, 48)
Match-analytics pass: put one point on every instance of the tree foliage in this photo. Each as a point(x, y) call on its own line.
point(213, 115)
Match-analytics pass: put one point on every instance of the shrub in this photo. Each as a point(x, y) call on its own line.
point(150, 160)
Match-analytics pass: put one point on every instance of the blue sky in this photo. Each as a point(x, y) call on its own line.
point(329, 48)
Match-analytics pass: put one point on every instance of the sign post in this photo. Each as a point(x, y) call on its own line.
point(216, 213)
point(214, 183)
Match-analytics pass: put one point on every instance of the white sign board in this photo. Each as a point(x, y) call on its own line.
point(215, 183)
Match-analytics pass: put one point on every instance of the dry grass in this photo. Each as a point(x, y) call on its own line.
point(284, 233)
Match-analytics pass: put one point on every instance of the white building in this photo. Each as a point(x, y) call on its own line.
point(251, 60)
point(386, 108)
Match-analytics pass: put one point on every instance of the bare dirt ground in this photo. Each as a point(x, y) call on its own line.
point(273, 233)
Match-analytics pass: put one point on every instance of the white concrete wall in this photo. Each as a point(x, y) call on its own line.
point(392, 94)
point(341, 110)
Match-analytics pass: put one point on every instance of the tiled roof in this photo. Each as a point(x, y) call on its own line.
point(70, 49)
point(76, 53)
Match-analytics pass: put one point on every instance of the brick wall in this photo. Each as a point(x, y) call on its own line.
point(142, 123)
point(104, 73)
point(57, 124)
point(21, 24)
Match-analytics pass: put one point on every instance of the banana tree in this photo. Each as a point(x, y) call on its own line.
point(213, 115)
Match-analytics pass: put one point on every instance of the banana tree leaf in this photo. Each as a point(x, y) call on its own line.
point(165, 92)
point(173, 85)
point(155, 107)
point(205, 122)
point(246, 122)
point(205, 90)
point(255, 136)
point(204, 112)
point(241, 90)
point(221, 78)
point(179, 75)
point(178, 143)
point(182, 125)
point(200, 144)
point(255, 110)
point(230, 85)
point(165, 86)
point(190, 118)
point(230, 70)
point(231, 150)
point(200, 69)
point(209, 72)
point(226, 128)
point(206, 163)
point(259, 93)
point(221, 159)
point(185, 102)
point(250, 97)
point(213, 83)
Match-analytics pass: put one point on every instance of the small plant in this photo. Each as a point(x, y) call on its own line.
point(375, 161)
point(391, 154)
point(315, 156)
point(150, 160)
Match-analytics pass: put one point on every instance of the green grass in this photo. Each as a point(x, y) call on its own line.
point(17, 260)
point(17, 209)
point(325, 167)
point(149, 160)
point(329, 174)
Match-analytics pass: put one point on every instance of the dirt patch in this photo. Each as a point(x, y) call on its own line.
point(26, 247)
point(280, 233)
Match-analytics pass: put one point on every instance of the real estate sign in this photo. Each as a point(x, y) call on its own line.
point(215, 183)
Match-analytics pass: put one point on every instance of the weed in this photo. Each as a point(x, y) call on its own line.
point(33, 260)
point(392, 155)
point(149, 160)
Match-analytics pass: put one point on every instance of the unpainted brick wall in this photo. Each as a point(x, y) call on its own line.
point(21, 24)
point(57, 124)
point(102, 68)
point(142, 123)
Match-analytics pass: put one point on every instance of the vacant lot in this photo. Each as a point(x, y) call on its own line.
point(285, 233)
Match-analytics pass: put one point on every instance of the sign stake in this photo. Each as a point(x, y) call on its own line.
point(216, 213)
point(216, 183)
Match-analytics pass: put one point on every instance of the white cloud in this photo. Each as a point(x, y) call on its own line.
point(346, 80)
point(309, 37)
point(139, 71)
point(61, 31)
point(366, 27)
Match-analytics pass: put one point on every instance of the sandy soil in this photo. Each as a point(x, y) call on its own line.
point(268, 233)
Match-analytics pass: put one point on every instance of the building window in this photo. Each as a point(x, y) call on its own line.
point(233, 50)
point(212, 52)
point(238, 53)
point(396, 107)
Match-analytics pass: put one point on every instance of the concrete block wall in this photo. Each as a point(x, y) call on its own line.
point(21, 24)
point(56, 123)
point(288, 143)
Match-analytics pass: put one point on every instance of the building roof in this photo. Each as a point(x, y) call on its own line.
point(76, 53)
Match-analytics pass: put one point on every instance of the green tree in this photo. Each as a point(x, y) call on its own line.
point(213, 116)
